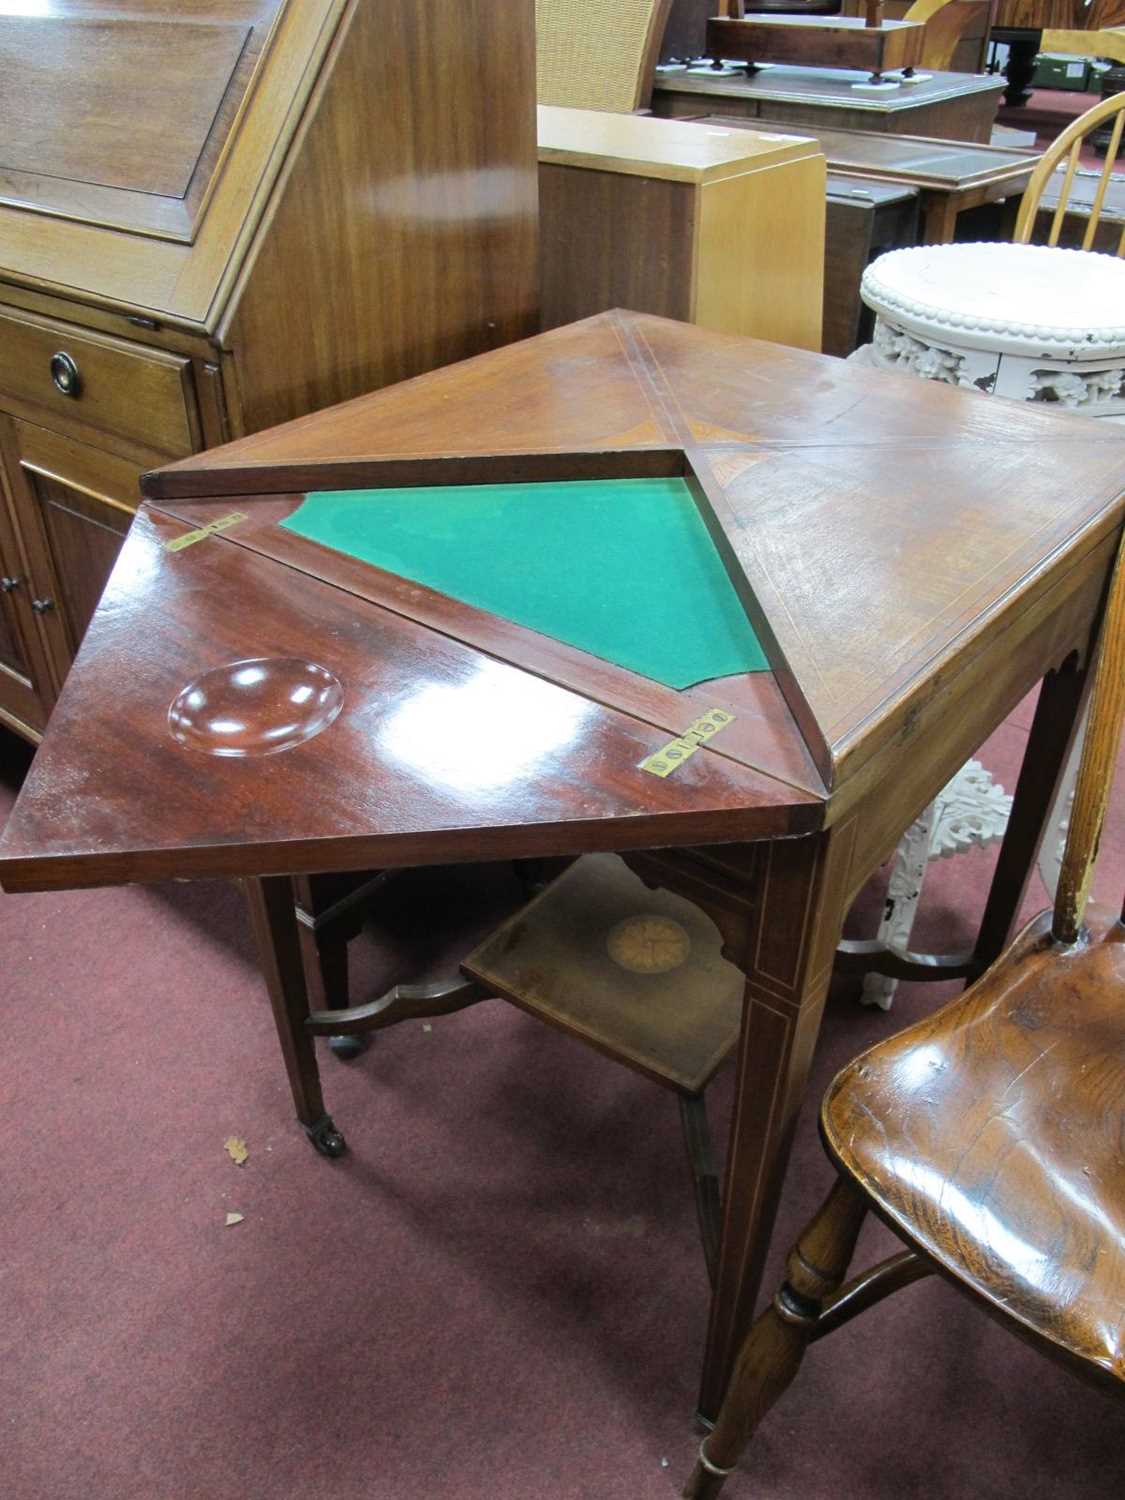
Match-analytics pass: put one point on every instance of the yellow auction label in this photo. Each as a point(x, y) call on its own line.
point(665, 760)
point(189, 538)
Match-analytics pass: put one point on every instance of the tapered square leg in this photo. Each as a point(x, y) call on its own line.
point(273, 915)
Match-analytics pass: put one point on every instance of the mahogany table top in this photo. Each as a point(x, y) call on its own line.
point(882, 533)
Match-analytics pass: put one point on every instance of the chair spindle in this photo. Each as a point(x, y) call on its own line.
point(1064, 193)
point(1095, 772)
point(1107, 172)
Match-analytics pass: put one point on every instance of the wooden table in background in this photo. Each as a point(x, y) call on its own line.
point(954, 106)
point(719, 227)
point(950, 176)
point(913, 559)
point(865, 218)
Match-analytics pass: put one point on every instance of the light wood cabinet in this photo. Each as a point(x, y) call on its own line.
point(720, 227)
point(219, 214)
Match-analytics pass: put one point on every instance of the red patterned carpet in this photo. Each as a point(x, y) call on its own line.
point(497, 1293)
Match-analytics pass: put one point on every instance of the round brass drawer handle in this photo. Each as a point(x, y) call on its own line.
point(64, 373)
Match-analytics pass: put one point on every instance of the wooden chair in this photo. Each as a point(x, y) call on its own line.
point(988, 1137)
point(598, 54)
point(1069, 144)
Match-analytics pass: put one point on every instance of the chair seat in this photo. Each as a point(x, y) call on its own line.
point(1006, 1163)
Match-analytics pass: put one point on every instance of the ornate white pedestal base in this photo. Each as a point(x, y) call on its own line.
point(1087, 387)
point(970, 809)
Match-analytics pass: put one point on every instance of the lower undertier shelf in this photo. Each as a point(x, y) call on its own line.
point(636, 973)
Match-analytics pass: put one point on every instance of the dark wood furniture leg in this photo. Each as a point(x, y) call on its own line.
point(1021, 65)
point(272, 904)
point(1056, 719)
point(1057, 716)
point(705, 1175)
point(330, 914)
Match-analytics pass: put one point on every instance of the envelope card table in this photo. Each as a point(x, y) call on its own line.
point(733, 611)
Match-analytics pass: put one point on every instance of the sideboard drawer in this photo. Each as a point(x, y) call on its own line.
point(105, 383)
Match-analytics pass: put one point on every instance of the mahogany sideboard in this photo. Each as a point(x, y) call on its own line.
point(274, 206)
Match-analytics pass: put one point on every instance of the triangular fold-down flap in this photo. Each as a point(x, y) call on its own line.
point(177, 747)
point(519, 399)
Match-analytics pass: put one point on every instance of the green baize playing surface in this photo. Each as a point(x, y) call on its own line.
point(621, 568)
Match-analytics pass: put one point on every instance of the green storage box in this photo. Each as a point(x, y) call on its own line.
point(1061, 70)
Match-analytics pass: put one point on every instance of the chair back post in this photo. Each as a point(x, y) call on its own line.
point(1069, 144)
point(1095, 771)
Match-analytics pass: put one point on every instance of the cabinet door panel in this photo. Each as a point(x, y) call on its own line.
point(85, 536)
point(19, 700)
point(25, 693)
point(73, 505)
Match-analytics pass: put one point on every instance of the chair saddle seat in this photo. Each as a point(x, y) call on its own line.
point(1007, 1161)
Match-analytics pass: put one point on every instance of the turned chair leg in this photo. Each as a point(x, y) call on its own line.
point(773, 1349)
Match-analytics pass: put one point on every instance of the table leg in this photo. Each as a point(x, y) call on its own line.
point(790, 942)
point(1048, 744)
point(939, 218)
point(1021, 65)
point(272, 913)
